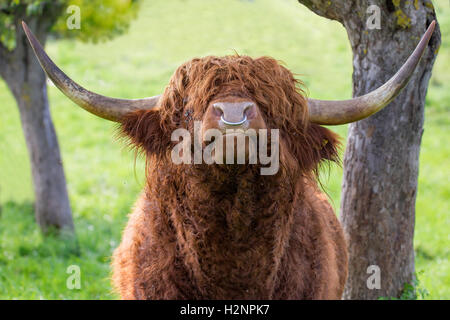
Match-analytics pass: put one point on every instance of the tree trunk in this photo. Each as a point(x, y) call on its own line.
point(382, 156)
point(27, 81)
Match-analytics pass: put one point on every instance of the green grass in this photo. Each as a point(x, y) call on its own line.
point(102, 180)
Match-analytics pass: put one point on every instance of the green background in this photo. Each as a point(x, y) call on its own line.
point(103, 178)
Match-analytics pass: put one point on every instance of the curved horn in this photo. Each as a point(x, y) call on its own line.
point(346, 111)
point(108, 108)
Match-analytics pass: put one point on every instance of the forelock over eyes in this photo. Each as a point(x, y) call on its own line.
point(272, 86)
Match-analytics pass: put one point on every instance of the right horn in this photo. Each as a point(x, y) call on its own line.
point(105, 107)
point(346, 111)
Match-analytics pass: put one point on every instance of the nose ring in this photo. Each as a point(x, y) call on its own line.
point(233, 123)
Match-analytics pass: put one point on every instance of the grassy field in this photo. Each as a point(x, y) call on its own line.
point(103, 181)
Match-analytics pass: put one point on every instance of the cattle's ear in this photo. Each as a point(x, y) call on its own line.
point(325, 141)
point(145, 131)
point(317, 144)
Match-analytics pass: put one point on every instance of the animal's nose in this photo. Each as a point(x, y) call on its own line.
point(235, 113)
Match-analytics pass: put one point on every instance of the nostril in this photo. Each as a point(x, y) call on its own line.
point(233, 113)
point(248, 106)
point(218, 109)
point(249, 110)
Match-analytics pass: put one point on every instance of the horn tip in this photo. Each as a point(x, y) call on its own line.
point(24, 25)
point(432, 25)
point(26, 29)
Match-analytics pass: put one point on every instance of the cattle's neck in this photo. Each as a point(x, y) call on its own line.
point(232, 225)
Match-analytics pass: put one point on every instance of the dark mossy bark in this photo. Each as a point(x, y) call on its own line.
point(26, 80)
point(381, 160)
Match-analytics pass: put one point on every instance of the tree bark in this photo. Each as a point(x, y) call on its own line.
point(382, 156)
point(25, 78)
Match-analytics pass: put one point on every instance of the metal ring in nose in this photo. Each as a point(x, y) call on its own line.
point(234, 123)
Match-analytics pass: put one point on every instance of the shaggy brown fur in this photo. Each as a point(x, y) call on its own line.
point(225, 231)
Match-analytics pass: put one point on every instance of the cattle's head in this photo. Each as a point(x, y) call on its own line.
point(235, 92)
point(233, 95)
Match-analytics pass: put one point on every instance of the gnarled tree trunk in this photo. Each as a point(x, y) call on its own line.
point(25, 78)
point(382, 155)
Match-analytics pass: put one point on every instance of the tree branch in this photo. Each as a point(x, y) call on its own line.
point(3, 63)
point(334, 10)
point(3, 50)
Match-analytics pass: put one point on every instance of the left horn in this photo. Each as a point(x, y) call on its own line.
point(346, 111)
point(107, 108)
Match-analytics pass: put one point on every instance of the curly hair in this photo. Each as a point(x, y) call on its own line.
point(278, 94)
point(226, 232)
